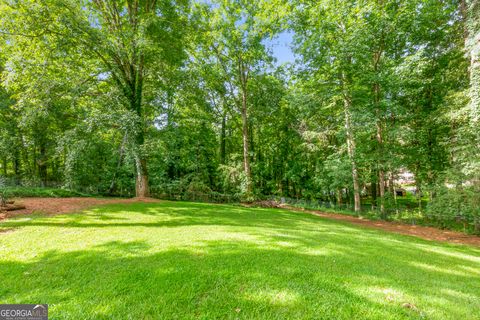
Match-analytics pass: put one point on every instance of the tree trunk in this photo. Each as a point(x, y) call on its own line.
point(223, 139)
point(141, 181)
point(351, 153)
point(34, 162)
point(42, 165)
point(381, 184)
point(391, 182)
point(376, 62)
point(141, 172)
point(373, 188)
point(246, 160)
point(379, 136)
point(418, 194)
point(473, 48)
point(16, 167)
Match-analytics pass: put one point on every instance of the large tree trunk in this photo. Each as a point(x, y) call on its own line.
point(351, 152)
point(141, 181)
point(141, 173)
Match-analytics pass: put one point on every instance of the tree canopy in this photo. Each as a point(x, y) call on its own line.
point(176, 97)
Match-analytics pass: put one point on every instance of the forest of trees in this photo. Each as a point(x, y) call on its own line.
point(175, 96)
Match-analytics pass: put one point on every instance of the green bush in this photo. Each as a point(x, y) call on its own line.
point(460, 204)
point(23, 192)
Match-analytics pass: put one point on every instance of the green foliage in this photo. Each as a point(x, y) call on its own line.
point(3, 193)
point(462, 203)
point(100, 95)
point(26, 192)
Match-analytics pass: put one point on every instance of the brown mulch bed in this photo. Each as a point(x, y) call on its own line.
point(428, 233)
point(63, 205)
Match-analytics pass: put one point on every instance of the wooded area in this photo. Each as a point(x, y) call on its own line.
point(175, 97)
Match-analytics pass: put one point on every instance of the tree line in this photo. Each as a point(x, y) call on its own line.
point(146, 96)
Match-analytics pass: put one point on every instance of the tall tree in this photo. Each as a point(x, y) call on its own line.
point(133, 43)
point(326, 32)
point(235, 35)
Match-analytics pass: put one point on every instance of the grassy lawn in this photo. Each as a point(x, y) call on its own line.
point(175, 260)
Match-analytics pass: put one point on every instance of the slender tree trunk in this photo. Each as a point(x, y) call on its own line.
point(379, 137)
point(17, 166)
point(381, 183)
point(391, 182)
point(243, 75)
point(418, 193)
point(392, 189)
point(42, 165)
point(223, 139)
point(473, 47)
point(376, 61)
point(246, 160)
point(373, 187)
point(470, 10)
point(34, 162)
point(475, 87)
point(26, 163)
point(351, 152)
point(4, 165)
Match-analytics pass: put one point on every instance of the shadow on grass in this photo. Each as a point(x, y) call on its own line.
point(169, 214)
point(223, 280)
point(193, 214)
point(292, 266)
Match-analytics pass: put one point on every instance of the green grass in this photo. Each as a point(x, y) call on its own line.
point(27, 192)
point(176, 260)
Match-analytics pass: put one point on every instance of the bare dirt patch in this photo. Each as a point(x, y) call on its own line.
point(428, 233)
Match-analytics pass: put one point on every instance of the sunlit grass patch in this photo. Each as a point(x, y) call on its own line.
point(174, 260)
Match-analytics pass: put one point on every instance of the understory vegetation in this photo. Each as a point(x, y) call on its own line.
point(178, 260)
point(377, 111)
point(24, 192)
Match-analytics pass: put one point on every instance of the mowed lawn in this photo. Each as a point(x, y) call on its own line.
point(176, 260)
